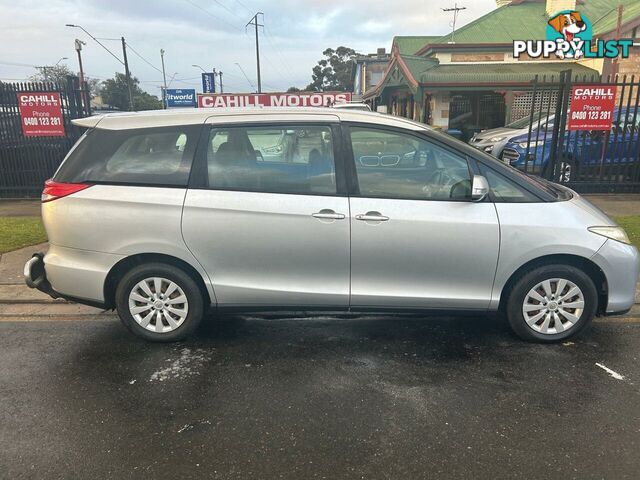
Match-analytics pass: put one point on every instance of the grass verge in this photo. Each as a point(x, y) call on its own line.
point(18, 232)
point(632, 226)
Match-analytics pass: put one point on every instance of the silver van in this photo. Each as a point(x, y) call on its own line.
point(165, 216)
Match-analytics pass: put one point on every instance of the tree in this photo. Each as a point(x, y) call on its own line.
point(95, 86)
point(114, 92)
point(293, 90)
point(52, 73)
point(334, 71)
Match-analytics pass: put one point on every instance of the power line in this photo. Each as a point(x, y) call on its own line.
point(212, 15)
point(142, 58)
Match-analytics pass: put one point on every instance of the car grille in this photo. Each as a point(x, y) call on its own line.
point(510, 155)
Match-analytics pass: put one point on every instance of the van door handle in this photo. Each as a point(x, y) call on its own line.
point(372, 217)
point(328, 214)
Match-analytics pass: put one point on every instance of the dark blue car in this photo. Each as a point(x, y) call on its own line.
point(583, 153)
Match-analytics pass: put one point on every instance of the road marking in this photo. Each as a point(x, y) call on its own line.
point(615, 375)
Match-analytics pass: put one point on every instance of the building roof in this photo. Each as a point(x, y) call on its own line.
point(410, 44)
point(429, 72)
point(528, 20)
point(496, 74)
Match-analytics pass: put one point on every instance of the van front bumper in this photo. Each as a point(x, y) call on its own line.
point(621, 266)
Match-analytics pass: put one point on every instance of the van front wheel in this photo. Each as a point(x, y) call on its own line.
point(551, 303)
point(159, 302)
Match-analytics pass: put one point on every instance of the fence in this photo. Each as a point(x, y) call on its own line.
point(595, 161)
point(26, 162)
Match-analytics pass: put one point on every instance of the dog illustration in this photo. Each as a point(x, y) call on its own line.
point(568, 25)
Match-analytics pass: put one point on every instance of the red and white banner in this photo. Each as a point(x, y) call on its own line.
point(592, 107)
point(302, 99)
point(41, 114)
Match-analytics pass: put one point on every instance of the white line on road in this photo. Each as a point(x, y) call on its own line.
point(615, 375)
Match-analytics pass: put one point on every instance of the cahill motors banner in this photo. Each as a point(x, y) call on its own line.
point(302, 99)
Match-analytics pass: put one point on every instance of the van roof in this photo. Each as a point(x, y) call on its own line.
point(190, 116)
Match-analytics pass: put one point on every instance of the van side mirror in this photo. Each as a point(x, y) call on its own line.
point(479, 188)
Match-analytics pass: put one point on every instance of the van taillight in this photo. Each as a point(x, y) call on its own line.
point(54, 190)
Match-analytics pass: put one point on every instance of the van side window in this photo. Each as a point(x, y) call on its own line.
point(150, 156)
point(506, 191)
point(283, 159)
point(397, 165)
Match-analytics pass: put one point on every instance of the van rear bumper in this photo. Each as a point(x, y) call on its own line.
point(70, 273)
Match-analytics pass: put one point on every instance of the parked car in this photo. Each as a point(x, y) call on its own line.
point(595, 150)
point(492, 141)
point(152, 215)
point(353, 106)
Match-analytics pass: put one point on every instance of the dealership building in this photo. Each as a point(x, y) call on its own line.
point(470, 80)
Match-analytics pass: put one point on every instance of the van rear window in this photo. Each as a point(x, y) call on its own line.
point(150, 156)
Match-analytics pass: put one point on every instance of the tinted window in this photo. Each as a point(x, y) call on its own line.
point(155, 156)
point(397, 165)
point(283, 159)
point(506, 191)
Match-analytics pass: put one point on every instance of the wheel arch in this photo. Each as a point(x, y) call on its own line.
point(126, 264)
point(590, 268)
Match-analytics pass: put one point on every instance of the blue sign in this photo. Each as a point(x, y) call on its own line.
point(180, 97)
point(208, 83)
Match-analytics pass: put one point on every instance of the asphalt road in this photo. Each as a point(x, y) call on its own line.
point(326, 398)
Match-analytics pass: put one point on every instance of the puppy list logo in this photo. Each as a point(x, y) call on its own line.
point(569, 35)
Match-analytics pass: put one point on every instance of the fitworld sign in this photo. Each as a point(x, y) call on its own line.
point(303, 99)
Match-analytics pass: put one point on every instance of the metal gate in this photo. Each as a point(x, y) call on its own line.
point(26, 162)
point(594, 161)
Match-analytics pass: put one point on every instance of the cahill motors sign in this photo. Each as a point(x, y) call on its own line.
point(41, 114)
point(569, 35)
point(303, 99)
point(592, 107)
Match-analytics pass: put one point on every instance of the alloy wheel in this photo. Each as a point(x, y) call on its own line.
point(553, 306)
point(158, 304)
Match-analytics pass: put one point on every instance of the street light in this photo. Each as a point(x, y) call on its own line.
point(198, 66)
point(63, 58)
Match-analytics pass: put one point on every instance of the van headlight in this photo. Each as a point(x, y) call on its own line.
point(614, 233)
point(496, 139)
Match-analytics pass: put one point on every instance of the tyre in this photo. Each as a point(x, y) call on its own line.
point(159, 302)
point(551, 303)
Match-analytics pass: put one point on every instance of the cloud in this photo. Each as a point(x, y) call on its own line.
point(212, 33)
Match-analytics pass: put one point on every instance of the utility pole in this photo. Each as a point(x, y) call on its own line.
point(455, 11)
point(164, 80)
point(127, 73)
point(86, 96)
point(254, 22)
point(221, 88)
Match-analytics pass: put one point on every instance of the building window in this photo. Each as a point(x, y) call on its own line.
point(374, 78)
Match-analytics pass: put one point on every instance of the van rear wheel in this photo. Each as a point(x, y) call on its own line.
point(551, 303)
point(159, 302)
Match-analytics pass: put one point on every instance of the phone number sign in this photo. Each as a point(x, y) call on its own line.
point(592, 107)
point(41, 114)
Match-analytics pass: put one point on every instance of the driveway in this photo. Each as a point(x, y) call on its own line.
point(332, 398)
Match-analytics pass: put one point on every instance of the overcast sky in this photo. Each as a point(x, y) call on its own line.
point(211, 33)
